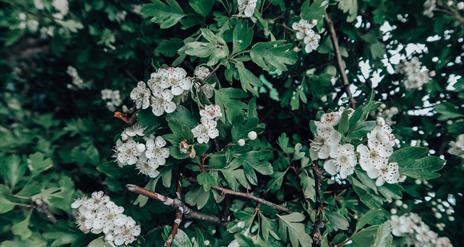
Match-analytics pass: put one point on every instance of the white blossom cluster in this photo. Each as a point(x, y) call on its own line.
point(77, 82)
point(27, 23)
point(112, 98)
point(340, 159)
point(62, 7)
point(457, 147)
point(419, 233)
point(388, 113)
point(246, 8)
point(159, 91)
point(207, 128)
point(429, 7)
point(304, 31)
point(416, 75)
point(147, 154)
point(98, 214)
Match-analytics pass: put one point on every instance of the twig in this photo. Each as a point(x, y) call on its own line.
point(177, 220)
point(251, 197)
point(129, 120)
point(338, 59)
point(42, 208)
point(317, 237)
point(174, 203)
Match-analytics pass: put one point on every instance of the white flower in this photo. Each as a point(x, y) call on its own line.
point(460, 5)
point(372, 159)
point(325, 143)
point(134, 130)
point(211, 112)
point(457, 147)
point(389, 173)
point(331, 118)
point(204, 131)
point(201, 72)
point(344, 162)
point(141, 95)
point(61, 6)
point(163, 103)
point(76, 80)
point(126, 153)
point(311, 41)
point(98, 214)
point(415, 74)
point(381, 135)
point(252, 135)
point(302, 28)
point(246, 8)
point(208, 90)
point(155, 150)
point(39, 4)
point(148, 166)
point(429, 7)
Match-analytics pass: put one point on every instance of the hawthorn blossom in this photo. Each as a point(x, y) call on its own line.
point(388, 173)
point(204, 131)
point(62, 6)
point(134, 130)
point(457, 147)
point(325, 143)
point(429, 7)
point(343, 163)
point(201, 72)
point(415, 74)
point(173, 79)
point(163, 103)
point(372, 159)
point(246, 8)
point(419, 234)
point(141, 95)
point(126, 152)
point(252, 135)
point(98, 214)
point(156, 150)
point(304, 31)
point(148, 166)
point(211, 112)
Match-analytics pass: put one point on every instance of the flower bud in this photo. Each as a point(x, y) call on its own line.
point(140, 147)
point(252, 135)
point(241, 142)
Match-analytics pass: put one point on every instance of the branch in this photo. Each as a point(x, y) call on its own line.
point(317, 237)
point(174, 203)
point(42, 208)
point(251, 197)
point(177, 220)
point(338, 59)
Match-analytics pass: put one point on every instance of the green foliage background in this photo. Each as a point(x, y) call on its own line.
point(56, 142)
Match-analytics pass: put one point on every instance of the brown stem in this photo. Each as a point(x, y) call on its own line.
point(42, 208)
point(174, 203)
point(177, 220)
point(251, 197)
point(317, 237)
point(338, 59)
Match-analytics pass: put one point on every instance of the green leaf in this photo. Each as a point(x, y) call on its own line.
point(242, 36)
point(12, 170)
point(37, 163)
point(314, 11)
point(350, 7)
point(248, 80)
point(230, 101)
point(337, 221)
point(197, 197)
point(291, 228)
point(406, 153)
point(273, 55)
point(424, 168)
point(275, 183)
point(343, 124)
point(202, 7)
point(448, 111)
point(308, 184)
point(383, 236)
point(165, 13)
point(370, 217)
point(99, 242)
point(21, 228)
point(5, 205)
point(206, 180)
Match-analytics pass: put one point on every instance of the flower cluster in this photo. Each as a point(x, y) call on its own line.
point(388, 113)
point(374, 157)
point(419, 233)
point(429, 7)
point(340, 159)
point(416, 74)
point(457, 147)
point(246, 8)
point(159, 91)
point(77, 82)
point(26, 22)
point(304, 31)
point(147, 154)
point(208, 123)
point(112, 98)
point(98, 214)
